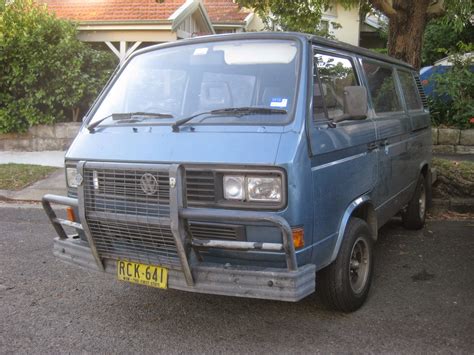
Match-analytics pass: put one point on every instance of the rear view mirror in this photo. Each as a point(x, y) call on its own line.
point(355, 104)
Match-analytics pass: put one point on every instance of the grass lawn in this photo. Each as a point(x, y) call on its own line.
point(18, 176)
point(455, 169)
point(455, 178)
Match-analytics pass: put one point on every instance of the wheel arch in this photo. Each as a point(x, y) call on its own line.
point(363, 208)
point(425, 170)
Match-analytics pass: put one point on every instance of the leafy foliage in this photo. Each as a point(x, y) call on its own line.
point(442, 37)
point(457, 13)
point(404, 15)
point(300, 15)
point(380, 50)
point(46, 72)
point(454, 103)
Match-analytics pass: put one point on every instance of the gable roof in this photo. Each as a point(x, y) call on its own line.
point(219, 11)
point(113, 10)
point(225, 11)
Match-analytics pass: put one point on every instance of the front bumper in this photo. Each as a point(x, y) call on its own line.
point(291, 284)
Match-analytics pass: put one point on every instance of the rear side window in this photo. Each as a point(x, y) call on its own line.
point(382, 87)
point(334, 74)
point(410, 90)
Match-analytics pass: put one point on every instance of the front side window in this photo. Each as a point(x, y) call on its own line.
point(334, 73)
point(382, 87)
point(410, 90)
point(187, 80)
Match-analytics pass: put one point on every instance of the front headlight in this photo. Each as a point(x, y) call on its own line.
point(253, 188)
point(72, 177)
point(266, 189)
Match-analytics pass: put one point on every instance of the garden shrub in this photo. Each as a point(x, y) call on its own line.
point(453, 102)
point(46, 73)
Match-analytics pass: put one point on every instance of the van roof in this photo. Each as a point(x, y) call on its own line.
point(313, 38)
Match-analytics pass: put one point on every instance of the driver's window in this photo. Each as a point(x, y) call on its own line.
point(334, 73)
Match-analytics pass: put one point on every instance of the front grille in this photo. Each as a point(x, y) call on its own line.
point(216, 231)
point(126, 222)
point(200, 188)
point(150, 244)
point(120, 192)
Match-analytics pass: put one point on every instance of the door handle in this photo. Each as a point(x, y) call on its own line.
point(371, 146)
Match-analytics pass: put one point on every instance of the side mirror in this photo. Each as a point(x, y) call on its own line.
point(355, 104)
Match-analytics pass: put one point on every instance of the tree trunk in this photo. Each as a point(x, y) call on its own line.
point(75, 114)
point(405, 31)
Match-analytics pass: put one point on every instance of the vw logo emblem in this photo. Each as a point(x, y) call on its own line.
point(149, 184)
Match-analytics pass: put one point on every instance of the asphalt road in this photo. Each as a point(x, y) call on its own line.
point(422, 301)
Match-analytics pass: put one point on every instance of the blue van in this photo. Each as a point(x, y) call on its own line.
point(252, 165)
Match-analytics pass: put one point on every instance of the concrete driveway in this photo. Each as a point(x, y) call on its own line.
point(422, 301)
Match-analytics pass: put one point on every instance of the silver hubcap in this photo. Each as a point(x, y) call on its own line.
point(422, 201)
point(359, 265)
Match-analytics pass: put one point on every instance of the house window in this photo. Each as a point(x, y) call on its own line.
point(324, 25)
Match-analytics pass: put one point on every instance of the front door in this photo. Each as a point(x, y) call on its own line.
point(344, 158)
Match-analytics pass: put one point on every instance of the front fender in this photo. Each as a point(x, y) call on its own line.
point(345, 219)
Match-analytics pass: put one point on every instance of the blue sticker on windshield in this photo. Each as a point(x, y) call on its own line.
point(279, 102)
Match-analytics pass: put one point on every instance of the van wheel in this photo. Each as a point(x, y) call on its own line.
point(345, 284)
point(414, 215)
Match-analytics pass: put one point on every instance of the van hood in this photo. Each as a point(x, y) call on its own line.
point(158, 144)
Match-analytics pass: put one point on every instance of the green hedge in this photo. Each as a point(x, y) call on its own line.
point(453, 102)
point(47, 74)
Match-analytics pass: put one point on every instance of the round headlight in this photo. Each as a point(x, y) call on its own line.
point(234, 187)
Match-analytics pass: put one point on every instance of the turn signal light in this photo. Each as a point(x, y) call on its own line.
point(70, 214)
point(298, 237)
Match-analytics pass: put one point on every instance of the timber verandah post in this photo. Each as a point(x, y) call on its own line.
point(123, 52)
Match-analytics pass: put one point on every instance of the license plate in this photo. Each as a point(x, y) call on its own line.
point(149, 275)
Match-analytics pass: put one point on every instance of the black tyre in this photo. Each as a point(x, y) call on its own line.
point(344, 285)
point(413, 217)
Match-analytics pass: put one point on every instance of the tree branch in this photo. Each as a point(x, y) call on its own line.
point(384, 6)
point(436, 9)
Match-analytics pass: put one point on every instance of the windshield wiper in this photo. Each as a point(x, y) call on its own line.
point(124, 117)
point(231, 111)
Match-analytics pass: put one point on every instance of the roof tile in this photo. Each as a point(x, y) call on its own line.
point(139, 10)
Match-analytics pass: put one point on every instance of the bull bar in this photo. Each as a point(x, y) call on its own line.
point(291, 284)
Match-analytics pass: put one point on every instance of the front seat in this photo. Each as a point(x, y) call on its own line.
point(215, 95)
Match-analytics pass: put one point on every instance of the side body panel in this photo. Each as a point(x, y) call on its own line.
point(395, 164)
point(402, 147)
point(420, 144)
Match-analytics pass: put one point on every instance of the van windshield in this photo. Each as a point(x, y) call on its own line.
point(187, 80)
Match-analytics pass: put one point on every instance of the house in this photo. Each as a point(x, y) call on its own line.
point(350, 29)
point(227, 17)
point(342, 23)
point(126, 25)
point(371, 29)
